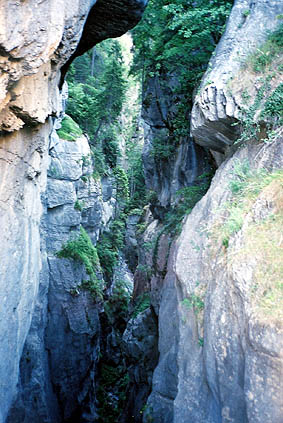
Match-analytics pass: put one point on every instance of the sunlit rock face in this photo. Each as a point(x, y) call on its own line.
point(36, 39)
point(220, 345)
point(218, 104)
point(220, 350)
point(23, 178)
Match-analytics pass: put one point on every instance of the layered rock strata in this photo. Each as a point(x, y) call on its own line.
point(220, 355)
point(36, 39)
point(60, 385)
point(218, 104)
point(220, 337)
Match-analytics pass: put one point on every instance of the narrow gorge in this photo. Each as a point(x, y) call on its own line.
point(141, 198)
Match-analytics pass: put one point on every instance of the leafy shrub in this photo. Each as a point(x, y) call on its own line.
point(187, 199)
point(111, 393)
point(273, 107)
point(69, 130)
point(193, 301)
point(116, 307)
point(79, 205)
point(266, 53)
point(142, 303)
point(122, 184)
point(109, 245)
point(245, 186)
point(189, 30)
point(80, 248)
point(99, 164)
point(163, 147)
point(111, 148)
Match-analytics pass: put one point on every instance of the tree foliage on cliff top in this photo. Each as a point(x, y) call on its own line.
point(179, 36)
point(97, 87)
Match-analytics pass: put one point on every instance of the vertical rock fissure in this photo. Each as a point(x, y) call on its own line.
point(140, 273)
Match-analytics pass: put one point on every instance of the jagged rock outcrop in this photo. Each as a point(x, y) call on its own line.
point(60, 385)
point(36, 39)
point(220, 329)
point(180, 162)
point(218, 104)
point(140, 341)
point(223, 362)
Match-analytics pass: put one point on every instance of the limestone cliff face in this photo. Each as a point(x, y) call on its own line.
point(36, 39)
point(220, 333)
point(166, 172)
point(220, 356)
point(60, 385)
point(218, 104)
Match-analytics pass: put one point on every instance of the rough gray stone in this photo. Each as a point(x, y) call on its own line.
point(140, 348)
point(60, 193)
point(185, 164)
point(66, 323)
point(226, 361)
point(218, 106)
point(36, 39)
point(20, 212)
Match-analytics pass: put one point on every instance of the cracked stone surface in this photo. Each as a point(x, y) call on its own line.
point(36, 39)
point(218, 104)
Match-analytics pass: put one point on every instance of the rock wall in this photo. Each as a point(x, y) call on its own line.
point(220, 345)
point(223, 362)
point(36, 39)
point(219, 355)
point(217, 106)
point(58, 364)
point(185, 161)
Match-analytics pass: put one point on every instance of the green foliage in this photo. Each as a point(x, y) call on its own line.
point(141, 304)
point(69, 130)
point(273, 107)
point(110, 147)
point(172, 46)
point(270, 105)
point(135, 173)
point(99, 162)
point(109, 245)
point(80, 248)
point(122, 184)
point(112, 380)
point(79, 205)
point(201, 342)
point(186, 199)
point(266, 53)
point(246, 13)
point(179, 36)
point(164, 147)
point(97, 87)
point(193, 301)
point(116, 307)
point(121, 294)
point(245, 186)
point(97, 92)
point(145, 270)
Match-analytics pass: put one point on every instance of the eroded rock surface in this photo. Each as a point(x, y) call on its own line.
point(179, 162)
point(140, 347)
point(220, 344)
point(218, 104)
point(227, 357)
point(60, 385)
point(36, 39)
